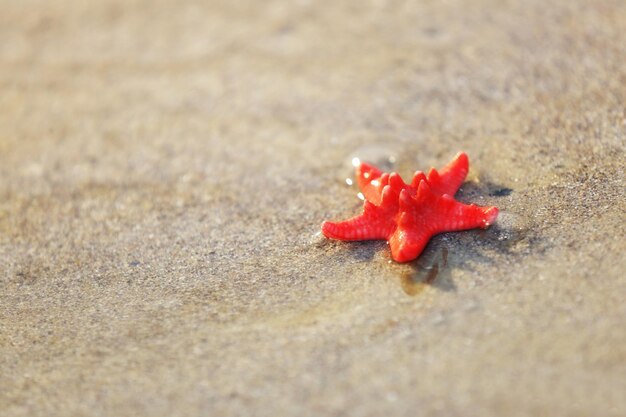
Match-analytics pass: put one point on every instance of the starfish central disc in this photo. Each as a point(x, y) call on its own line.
point(408, 215)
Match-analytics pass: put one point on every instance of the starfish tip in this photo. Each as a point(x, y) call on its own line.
point(405, 253)
point(491, 213)
point(462, 156)
point(361, 167)
point(329, 229)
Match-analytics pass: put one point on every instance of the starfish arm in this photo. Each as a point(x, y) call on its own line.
point(449, 179)
point(444, 213)
point(373, 223)
point(457, 216)
point(368, 178)
point(406, 244)
point(372, 182)
point(452, 175)
point(412, 233)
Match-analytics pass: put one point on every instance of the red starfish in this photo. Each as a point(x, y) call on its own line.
point(408, 215)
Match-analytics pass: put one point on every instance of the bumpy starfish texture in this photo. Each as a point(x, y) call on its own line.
point(408, 215)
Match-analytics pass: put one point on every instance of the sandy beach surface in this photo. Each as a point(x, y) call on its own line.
point(165, 167)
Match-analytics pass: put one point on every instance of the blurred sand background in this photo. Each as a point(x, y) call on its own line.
point(165, 167)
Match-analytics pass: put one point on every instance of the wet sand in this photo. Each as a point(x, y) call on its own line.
point(165, 167)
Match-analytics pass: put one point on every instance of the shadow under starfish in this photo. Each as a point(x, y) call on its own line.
point(430, 269)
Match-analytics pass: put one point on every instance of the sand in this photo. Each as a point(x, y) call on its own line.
point(165, 167)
